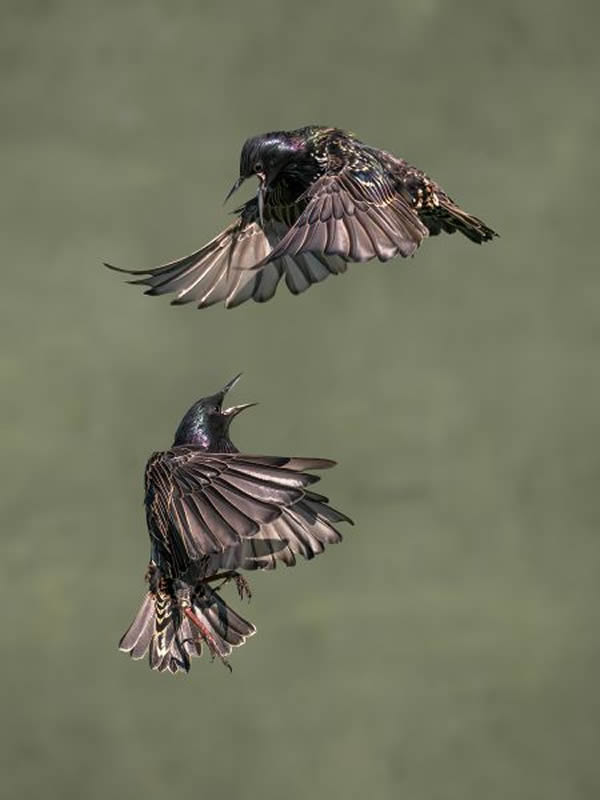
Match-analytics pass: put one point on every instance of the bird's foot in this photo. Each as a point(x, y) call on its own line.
point(241, 584)
point(243, 587)
point(206, 637)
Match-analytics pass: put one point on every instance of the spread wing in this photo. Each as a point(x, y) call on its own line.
point(224, 269)
point(200, 505)
point(355, 214)
point(303, 529)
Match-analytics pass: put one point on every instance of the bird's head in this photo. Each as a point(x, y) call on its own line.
point(266, 156)
point(207, 423)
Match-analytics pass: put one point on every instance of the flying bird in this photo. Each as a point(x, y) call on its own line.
point(324, 199)
point(212, 511)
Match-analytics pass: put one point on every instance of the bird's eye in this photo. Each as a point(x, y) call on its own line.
point(259, 167)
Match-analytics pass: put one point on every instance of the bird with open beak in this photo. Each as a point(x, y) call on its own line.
point(211, 512)
point(324, 199)
point(264, 157)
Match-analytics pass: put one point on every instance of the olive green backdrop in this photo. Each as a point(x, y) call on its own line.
point(449, 648)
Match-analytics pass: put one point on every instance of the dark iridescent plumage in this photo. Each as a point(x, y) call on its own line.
point(212, 511)
point(325, 199)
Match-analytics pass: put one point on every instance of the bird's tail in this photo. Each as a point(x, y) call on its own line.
point(451, 218)
point(172, 633)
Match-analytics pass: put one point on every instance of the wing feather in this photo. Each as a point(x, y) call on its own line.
point(224, 270)
point(303, 529)
point(201, 504)
point(355, 216)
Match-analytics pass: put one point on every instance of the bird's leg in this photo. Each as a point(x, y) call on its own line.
point(185, 604)
point(241, 584)
point(206, 636)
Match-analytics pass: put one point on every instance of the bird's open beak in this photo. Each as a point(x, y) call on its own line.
point(234, 410)
point(262, 190)
point(234, 188)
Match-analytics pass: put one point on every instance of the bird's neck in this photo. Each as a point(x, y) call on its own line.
point(222, 445)
point(195, 432)
point(307, 170)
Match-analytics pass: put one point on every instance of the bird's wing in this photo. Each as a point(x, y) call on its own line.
point(201, 504)
point(303, 529)
point(224, 269)
point(355, 214)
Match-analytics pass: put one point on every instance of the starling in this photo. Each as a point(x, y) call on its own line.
point(324, 199)
point(212, 511)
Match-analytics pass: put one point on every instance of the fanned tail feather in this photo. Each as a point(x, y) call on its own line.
point(170, 638)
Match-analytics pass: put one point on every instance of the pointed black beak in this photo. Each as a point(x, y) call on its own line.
point(234, 188)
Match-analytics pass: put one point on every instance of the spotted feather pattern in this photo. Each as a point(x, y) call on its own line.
point(333, 200)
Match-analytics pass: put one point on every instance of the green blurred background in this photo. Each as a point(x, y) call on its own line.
point(449, 648)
